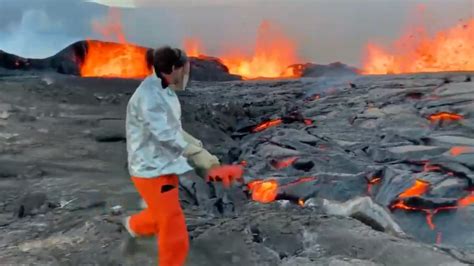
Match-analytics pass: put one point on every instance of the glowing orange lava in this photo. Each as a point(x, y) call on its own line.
point(111, 60)
point(121, 60)
point(193, 47)
point(419, 188)
point(264, 191)
point(274, 52)
point(301, 202)
point(448, 50)
point(372, 182)
point(284, 163)
point(445, 116)
point(459, 150)
point(267, 124)
point(466, 201)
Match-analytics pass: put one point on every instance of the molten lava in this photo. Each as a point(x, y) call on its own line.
point(466, 201)
point(445, 116)
point(264, 191)
point(448, 50)
point(301, 202)
point(267, 124)
point(193, 47)
point(121, 60)
point(419, 188)
point(284, 163)
point(459, 150)
point(114, 60)
point(372, 182)
point(273, 53)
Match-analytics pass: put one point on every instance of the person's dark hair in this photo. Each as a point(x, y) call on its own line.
point(164, 58)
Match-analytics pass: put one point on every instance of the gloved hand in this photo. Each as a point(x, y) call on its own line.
point(226, 174)
point(198, 157)
point(203, 160)
point(191, 140)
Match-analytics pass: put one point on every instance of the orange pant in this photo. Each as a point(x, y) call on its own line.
point(163, 218)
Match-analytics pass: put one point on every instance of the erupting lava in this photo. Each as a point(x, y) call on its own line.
point(445, 116)
point(274, 52)
point(193, 47)
point(114, 60)
point(416, 51)
point(110, 60)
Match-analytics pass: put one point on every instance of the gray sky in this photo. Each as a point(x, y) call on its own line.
point(324, 30)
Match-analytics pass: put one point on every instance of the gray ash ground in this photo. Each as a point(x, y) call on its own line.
point(63, 169)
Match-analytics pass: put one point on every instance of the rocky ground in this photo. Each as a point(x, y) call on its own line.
point(369, 142)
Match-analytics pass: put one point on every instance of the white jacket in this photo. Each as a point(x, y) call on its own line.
point(155, 143)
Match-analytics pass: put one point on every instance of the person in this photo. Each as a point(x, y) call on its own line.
point(159, 151)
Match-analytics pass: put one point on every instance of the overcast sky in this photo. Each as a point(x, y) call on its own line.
point(324, 30)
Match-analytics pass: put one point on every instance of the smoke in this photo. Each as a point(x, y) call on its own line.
point(324, 30)
point(42, 28)
point(37, 35)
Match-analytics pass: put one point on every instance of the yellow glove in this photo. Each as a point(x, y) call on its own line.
point(204, 160)
point(191, 140)
point(198, 157)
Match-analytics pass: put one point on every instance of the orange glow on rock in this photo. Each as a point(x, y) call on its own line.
point(459, 150)
point(416, 51)
point(427, 167)
point(372, 182)
point(284, 163)
point(264, 191)
point(445, 116)
point(466, 201)
point(301, 202)
point(267, 124)
point(419, 188)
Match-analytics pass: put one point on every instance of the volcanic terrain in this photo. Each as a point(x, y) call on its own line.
point(349, 170)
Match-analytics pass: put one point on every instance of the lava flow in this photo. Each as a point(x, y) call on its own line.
point(274, 52)
point(448, 50)
point(284, 163)
point(266, 191)
point(445, 116)
point(114, 60)
point(193, 47)
point(459, 150)
point(266, 124)
point(121, 60)
point(263, 191)
point(420, 188)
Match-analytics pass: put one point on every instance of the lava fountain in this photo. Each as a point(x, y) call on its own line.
point(274, 52)
point(114, 60)
point(416, 51)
